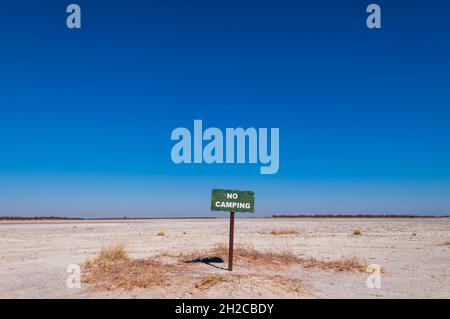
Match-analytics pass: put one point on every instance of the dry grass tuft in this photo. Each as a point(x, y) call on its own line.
point(290, 284)
point(285, 231)
point(257, 258)
point(357, 232)
point(113, 269)
point(256, 281)
point(352, 264)
point(210, 281)
point(161, 233)
point(268, 259)
point(112, 253)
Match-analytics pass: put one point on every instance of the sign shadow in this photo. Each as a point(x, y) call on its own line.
point(210, 261)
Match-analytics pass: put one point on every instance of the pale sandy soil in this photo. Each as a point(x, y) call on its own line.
point(34, 256)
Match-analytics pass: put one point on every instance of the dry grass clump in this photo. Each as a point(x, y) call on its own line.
point(274, 283)
point(209, 281)
point(357, 232)
point(285, 231)
point(288, 284)
point(114, 269)
point(252, 257)
point(161, 233)
point(112, 253)
point(351, 264)
point(257, 258)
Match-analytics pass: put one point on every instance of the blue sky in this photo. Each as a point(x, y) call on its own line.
point(86, 115)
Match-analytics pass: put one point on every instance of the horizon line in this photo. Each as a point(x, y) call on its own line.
point(247, 215)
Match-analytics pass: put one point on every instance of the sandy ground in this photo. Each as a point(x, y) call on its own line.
point(34, 256)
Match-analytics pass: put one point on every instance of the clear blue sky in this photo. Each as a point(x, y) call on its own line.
point(86, 115)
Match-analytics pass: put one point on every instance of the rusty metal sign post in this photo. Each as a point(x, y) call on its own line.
point(232, 201)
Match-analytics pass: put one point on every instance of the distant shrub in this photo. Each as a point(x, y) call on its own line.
point(285, 231)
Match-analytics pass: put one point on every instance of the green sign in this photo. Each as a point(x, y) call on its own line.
point(233, 201)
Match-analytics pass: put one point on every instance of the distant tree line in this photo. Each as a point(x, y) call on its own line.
point(360, 216)
point(94, 218)
point(40, 218)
